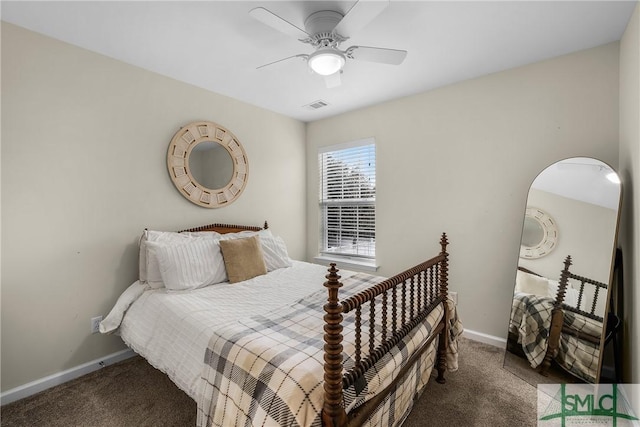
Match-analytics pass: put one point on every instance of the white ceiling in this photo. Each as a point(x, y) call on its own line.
point(581, 178)
point(216, 45)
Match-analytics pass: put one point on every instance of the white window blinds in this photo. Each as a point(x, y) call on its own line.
point(348, 199)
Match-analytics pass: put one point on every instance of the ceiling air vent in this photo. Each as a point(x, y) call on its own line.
point(316, 105)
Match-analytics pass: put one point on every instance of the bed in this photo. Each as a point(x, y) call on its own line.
point(558, 321)
point(293, 344)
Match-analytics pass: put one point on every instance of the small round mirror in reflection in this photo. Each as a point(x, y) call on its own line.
point(532, 232)
point(211, 165)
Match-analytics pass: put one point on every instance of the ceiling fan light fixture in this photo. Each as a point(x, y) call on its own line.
point(326, 61)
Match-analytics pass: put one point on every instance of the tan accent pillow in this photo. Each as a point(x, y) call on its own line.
point(243, 258)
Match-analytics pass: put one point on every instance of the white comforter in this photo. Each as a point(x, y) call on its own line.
point(171, 329)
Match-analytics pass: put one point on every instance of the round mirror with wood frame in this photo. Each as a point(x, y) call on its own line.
point(183, 146)
point(539, 234)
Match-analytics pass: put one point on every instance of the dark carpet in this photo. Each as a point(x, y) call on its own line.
point(133, 393)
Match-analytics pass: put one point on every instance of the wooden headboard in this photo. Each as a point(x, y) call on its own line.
point(226, 228)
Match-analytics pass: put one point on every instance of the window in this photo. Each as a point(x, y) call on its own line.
point(348, 199)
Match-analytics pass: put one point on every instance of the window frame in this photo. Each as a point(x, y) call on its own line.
point(358, 260)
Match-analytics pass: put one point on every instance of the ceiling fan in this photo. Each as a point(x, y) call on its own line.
point(325, 30)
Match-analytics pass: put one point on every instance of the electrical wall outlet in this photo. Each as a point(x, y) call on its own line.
point(95, 324)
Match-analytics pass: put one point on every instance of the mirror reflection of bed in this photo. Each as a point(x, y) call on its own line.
point(560, 306)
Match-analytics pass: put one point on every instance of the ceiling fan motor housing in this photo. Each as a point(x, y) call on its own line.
point(322, 22)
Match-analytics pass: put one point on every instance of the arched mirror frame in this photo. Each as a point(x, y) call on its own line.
point(610, 275)
point(180, 149)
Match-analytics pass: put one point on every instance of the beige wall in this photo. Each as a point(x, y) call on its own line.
point(84, 142)
point(461, 159)
point(630, 172)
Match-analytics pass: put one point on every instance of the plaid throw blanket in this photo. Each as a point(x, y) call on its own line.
point(531, 321)
point(580, 357)
point(268, 370)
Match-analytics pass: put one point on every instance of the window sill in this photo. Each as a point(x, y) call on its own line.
point(356, 264)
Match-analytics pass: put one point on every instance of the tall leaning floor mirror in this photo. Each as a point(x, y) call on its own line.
point(560, 306)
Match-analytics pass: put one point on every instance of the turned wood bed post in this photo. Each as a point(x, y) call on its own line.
point(443, 274)
point(557, 319)
point(333, 413)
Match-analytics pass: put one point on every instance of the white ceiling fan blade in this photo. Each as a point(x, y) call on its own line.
point(274, 21)
point(363, 12)
point(302, 56)
point(333, 80)
point(377, 54)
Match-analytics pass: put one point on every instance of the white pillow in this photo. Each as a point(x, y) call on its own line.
point(531, 284)
point(587, 297)
point(190, 264)
point(570, 295)
point(275, 252)
point(148, 269)
point(243, 234)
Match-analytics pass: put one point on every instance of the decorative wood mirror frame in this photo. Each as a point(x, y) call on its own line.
point(181, 147)
point(549, 238)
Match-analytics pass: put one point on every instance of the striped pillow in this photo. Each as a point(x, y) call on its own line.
point(190, 264)
point(149, 270)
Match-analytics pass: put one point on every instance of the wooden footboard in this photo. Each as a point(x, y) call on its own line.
point(412, 295)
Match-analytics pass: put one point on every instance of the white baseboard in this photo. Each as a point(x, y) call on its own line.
point(62, 377)
point(485, 338)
